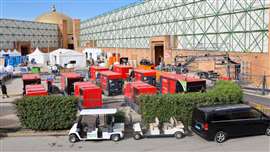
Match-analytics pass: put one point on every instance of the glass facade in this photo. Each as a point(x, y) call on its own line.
point(225, 25)
point(40, 35)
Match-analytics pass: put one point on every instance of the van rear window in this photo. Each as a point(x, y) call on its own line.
point(199, 115)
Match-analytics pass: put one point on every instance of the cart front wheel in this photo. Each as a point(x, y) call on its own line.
point(179, 135)
point(115, 138)
point(137, 136)
point(73, 138)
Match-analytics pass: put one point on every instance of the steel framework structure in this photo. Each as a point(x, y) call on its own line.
point(226, 25)
point(41, 35)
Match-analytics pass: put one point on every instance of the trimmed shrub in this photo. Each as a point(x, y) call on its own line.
point(181, 105)
point(119, 117)
point(47, 112)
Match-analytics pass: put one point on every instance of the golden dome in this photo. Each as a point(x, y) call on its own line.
point(55, 18)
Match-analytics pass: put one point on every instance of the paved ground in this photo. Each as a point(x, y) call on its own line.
point(258, 99)
point(9, 122)
point(194, 144)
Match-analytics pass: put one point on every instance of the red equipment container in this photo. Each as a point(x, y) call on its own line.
point(133, 89)
point(111, 83)
point(123, 69)
point(78, 85)
point(67, 82)
point(91, 97)
point(30, 79)
point(94, 70)
point(35, 90)
point(147, 76)
point(171, 83)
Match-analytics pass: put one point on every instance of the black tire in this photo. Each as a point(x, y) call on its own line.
point(267, 132)
point(220, 137)
point(178, 135)
point(73, 138)
point(137, 136)
point(115, 137)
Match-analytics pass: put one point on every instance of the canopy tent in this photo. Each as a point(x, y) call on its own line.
point(15, 53)
point(2, 52)
point(11, 58)
point(64, 57)
point(39, 56)
point(92, 53)
point(14, 58)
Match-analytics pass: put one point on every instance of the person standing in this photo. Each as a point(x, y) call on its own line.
point(4, 90)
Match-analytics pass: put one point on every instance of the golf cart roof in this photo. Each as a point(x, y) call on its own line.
point(97, 111)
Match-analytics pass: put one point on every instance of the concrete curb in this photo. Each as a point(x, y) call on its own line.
point(30, 133)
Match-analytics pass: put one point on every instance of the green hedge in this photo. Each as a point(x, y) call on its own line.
point(181, 105)
point(47, 112)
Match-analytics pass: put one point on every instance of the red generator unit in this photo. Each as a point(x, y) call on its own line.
point(123, 69)
point(78, 85)
point(30, 79)
point(67, 82)
point(147, 76)
point(171, 83)
point(134, 89)
point(111, 83)
point(94, 70)
point(91, 97)
point(35, 90)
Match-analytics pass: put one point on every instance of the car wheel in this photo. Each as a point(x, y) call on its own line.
point(115, 138)
point(73, 138)
point(179, 135)
point(267, 132)
point(220, 137)
point(137, 136)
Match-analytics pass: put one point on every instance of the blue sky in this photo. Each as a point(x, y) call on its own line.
point(82, 9)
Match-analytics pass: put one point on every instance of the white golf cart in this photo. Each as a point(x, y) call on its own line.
point(96, 124)
point(172, 129)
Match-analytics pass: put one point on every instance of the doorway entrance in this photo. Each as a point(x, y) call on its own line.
point(159, 54)
point(24, 47)
point(25, 50)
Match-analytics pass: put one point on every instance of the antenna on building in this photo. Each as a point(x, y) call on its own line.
point(53, 8)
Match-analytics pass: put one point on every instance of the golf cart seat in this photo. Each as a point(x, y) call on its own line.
point(178, 124)
point(154, 127)
point(169, 125)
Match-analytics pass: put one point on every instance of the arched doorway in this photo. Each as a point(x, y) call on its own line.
point(24, 47)
point(25, 50)
point(159, 54)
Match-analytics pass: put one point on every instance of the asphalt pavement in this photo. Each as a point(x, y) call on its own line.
point(187, 144)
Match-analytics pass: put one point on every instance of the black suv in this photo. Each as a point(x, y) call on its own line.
point(220, 122)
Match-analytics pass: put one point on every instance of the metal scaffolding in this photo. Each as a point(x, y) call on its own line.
point(226, 25)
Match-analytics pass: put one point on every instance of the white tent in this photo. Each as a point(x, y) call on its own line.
point(2, 52)
point(15, 53)
point(9, 51)
point(39, 56)
point(66, 56)
point(92, 53)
